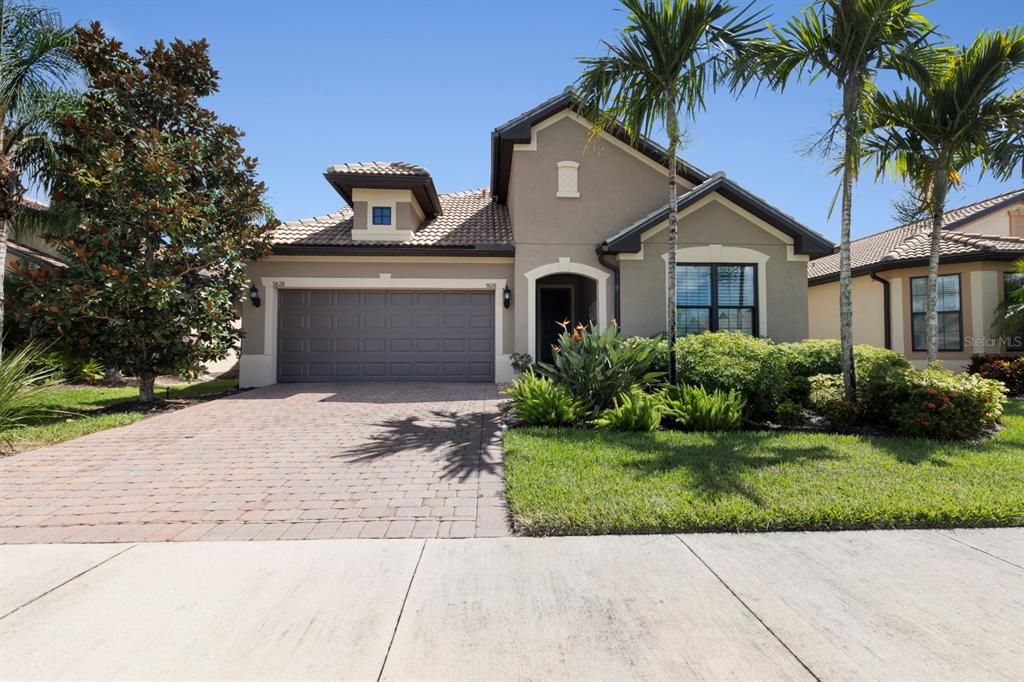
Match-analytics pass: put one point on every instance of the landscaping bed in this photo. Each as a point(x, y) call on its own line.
point(79, 409)
point(581, 481)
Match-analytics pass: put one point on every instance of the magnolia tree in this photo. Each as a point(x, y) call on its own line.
point(170, 210)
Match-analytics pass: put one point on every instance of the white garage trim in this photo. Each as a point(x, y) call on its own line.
point(563, 266)
point(261, 370)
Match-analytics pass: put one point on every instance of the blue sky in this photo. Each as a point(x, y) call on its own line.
point(316, 83)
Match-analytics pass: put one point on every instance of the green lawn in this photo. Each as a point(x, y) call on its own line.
point(77, 410)
point(571, 481)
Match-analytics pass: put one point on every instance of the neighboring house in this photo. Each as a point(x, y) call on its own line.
point(405, 284)
point(979, 243)
point(32, 249)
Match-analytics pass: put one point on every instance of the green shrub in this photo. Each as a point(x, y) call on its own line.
point(937, 403)
point(732, 361)
point(658, 348)
point(631, 411)
point(68, 368)
point(596, 367)
point(24, 381)
point(828, 399)
point(789, 413)
point(1008, 369)
point(538, 401)
point(876, 369)
point(803, 359)
point(521, 362)
point(880, 374)
point(694, 408)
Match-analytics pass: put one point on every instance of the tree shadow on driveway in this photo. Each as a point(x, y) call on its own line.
point(460, 440)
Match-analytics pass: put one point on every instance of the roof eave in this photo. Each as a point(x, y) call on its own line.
point(396, 250)
point(904, 264)
point(422, 187)
point(519, 130)
point(805, 240)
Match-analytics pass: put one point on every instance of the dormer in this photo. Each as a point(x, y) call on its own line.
point(389, 201)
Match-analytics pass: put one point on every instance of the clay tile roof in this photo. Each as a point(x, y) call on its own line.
point(469, 218)
point(911, 242)
point(379, 168)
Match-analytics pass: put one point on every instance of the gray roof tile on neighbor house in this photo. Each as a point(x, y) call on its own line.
point(469, 219)
point(379, 168)
point(911, 242)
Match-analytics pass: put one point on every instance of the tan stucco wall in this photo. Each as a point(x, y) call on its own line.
point(644, 281)
point(997, 222)
point(406, 218)
point(981, 290)
point(868, 304)
point(616, 188)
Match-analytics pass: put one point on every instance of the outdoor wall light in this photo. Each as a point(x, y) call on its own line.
point(254, 295)
point(506, 296)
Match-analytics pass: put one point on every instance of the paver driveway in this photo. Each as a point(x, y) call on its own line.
point(283, 462)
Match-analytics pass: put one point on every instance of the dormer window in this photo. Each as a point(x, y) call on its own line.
point(390, 201)
point(568, 180)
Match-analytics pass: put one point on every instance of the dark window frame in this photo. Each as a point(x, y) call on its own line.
point(384, 213)
point(714, 307)
point(959, 313)
point(1009, 343)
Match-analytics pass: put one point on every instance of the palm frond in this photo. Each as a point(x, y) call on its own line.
point(36, 54)
point(663, 62)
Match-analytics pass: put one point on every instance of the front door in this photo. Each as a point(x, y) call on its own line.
point(555, 306)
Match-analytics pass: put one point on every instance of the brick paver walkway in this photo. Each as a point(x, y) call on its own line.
point(283, 462)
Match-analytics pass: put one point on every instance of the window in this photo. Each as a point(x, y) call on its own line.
point(381, 215)
point(1012, 281)
point(948, 307)
point(568, 180)
point(716, 298)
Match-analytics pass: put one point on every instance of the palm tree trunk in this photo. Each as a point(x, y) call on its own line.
point(851, 93)
point(673, 234)
point(5, 230)
point(937, 205)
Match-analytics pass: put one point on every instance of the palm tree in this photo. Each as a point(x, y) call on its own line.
point(847, 42)
point(36, 61)
point(1010, 313)
point(959, 116)
point(661, 65)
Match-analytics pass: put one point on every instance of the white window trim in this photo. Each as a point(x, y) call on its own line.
point(719, 253)
point(564, 194)
point(564, 265)
point(261, 370)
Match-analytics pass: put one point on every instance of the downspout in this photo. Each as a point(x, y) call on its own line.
point(601, 255)
point(886, 309)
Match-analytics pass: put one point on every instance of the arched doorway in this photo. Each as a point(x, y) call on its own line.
point(562, 298)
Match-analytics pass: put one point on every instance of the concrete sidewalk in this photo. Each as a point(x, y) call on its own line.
point(927, 605)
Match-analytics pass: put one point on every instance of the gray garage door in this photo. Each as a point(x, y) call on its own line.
point(383, 335)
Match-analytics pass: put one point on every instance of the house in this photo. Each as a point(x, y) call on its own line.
point(890, 268)
point(405, 284)
point(32, 249)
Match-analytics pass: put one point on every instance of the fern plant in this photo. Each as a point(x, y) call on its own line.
point(538, 401)
point(693, 408)
point(24, 381)
point(631, 411)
